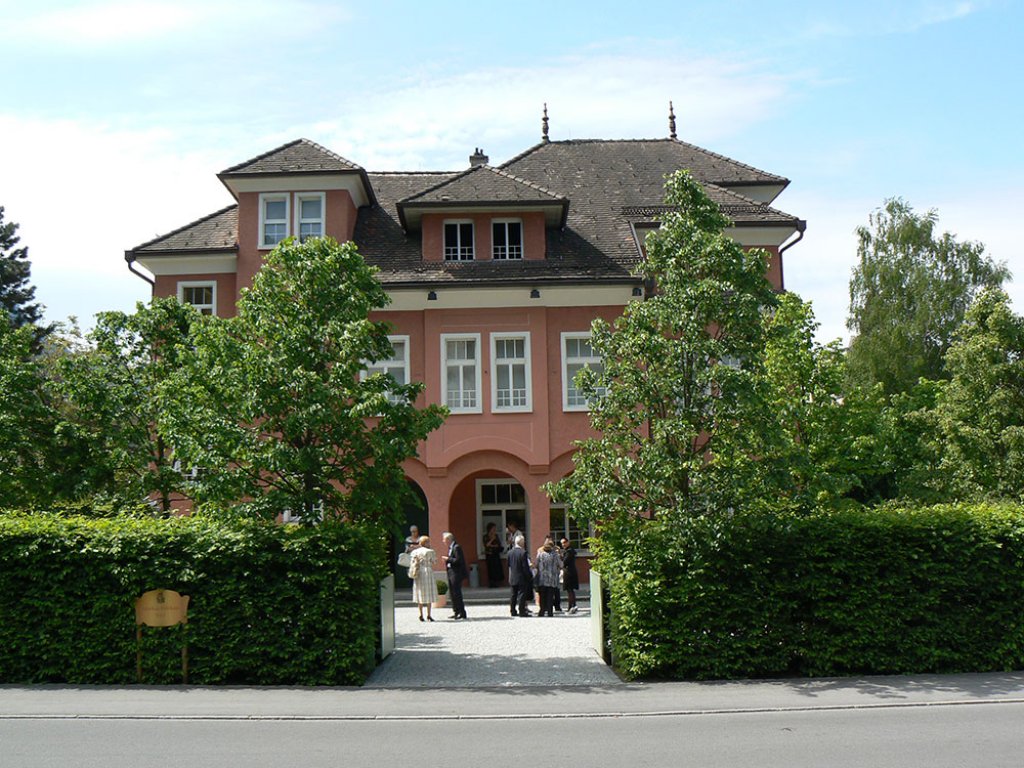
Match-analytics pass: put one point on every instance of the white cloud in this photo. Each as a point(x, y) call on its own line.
point(98, 25)
point(435, 123)
point(83, 194)
point(883, 18)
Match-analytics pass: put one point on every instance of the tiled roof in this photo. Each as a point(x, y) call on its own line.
point(648, 160)
point(299, 156)
point(741, 209)
point(484, 183)
point(216, 232)
point(384, 244)
point(609, 186)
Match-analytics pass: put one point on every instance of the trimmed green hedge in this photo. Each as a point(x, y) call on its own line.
point(270, 604)
point(866, 591)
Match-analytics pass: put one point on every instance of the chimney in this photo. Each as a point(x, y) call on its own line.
point(478, 158)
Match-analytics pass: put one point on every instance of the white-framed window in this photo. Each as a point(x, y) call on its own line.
point(510, 372)
point(201, 294)
point(563, 524)
point(458, 241)
point(316, 514)
point(397, 365)
point(507, 239)
point(577, 354)
point(500, 501)
point(460, 372)
point(309, 207)
point(273, 219)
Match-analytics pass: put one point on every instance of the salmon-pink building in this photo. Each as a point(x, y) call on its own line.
point(495, 274)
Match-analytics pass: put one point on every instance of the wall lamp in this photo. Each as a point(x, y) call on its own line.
point(431, 295)
point(534, 293)
point(638, 291)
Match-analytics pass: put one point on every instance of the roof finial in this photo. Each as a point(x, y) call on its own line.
point(671, 122)
point(544, 125)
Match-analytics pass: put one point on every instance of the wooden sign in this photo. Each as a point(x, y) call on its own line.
point(161, 608)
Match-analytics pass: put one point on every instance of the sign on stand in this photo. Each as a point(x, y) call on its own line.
point(161, 608)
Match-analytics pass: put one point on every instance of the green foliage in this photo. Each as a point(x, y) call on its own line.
point(270, 604)
point(825, 444)
point(979, 413)
point(271, 403)
point(908, 295)
point(882, 591)
point(675, 421)
point(717, 394)
point(26, 420)
point(109, 397)
point(17, 296)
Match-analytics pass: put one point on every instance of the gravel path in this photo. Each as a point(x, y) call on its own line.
point(492, 649)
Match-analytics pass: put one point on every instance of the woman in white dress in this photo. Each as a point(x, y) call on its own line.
point(421, 571)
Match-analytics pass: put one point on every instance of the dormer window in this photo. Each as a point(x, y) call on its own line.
point(507, 239)
point(273, 220)
point(458, 241)
point(311, 216)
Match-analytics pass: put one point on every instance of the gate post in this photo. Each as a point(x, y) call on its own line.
point(387, 616)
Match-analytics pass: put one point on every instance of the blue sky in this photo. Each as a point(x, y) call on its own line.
point(117, 115)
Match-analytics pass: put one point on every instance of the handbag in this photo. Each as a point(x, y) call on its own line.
point(403, 559)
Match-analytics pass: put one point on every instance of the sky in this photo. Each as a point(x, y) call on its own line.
point(116, 115)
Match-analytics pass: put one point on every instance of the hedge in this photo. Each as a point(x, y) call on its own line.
point(863, 591)
point(270, 604)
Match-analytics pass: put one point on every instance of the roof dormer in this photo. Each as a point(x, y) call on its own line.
point(301, 165)
point(483, 188)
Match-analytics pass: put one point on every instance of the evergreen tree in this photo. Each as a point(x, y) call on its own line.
point(17, 296)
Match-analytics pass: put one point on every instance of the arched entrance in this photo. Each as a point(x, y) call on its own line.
point(481, 498)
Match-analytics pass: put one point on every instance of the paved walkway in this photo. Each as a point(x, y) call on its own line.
point(503, 703)
point(492, 649)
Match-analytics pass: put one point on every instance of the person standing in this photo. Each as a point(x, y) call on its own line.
point(519, 577)
point(421, 571)
point(413, 539)
point(492, 553)
point(455, 564)
point(548, 567)
point(570, 576)
point(511, 531)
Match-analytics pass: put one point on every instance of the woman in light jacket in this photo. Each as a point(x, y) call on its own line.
point(421, 571)
point(548, 567)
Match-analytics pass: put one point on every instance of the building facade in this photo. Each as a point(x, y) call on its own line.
point(495, 274)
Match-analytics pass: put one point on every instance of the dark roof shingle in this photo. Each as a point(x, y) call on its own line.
point(216, 232)
point(299, 156)
point(607, 186)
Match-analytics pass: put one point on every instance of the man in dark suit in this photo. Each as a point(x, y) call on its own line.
point(519, 576)
point(455, 564)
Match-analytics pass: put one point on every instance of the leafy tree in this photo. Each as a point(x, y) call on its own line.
point(979, 412)
point(681, 377)
point(16, 294)
point(110, 397)
point(26, 423)
point(271, 404)
point(908, 294)
point(827, 445)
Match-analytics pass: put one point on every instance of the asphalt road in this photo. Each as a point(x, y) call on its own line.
point(965, 734)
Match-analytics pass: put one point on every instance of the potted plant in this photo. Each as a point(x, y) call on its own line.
point(442, 594)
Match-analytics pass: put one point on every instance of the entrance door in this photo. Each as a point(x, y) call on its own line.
point(415, 513)
point(500, 501)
